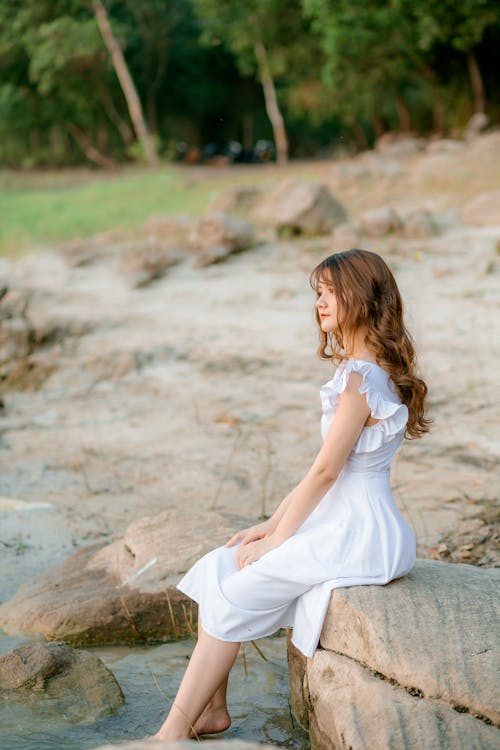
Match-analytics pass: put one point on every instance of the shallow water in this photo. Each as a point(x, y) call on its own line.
point(258, 700)
point(35, 538)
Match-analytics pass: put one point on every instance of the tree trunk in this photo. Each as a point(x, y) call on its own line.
point(123, 127)
point(435, 98)
point(126, 82)
point(34, 141)
point(102, 137)
point(151, 111)
point(403, 114)
point(360, 135)
point(247, 130)
point(91, 152)
point(437, 114)
point(272, 107)
point(476, 82)
point(378, 125)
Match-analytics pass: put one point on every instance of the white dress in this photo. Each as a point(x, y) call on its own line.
point(355, 535)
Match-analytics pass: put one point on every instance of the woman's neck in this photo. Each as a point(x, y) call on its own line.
point(358, 350)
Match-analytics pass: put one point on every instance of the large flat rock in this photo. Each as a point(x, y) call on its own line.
point(354, 707)
point(409, 664)
point(431, 631)
point(123, 592)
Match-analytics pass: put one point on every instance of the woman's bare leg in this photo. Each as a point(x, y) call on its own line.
point(204, 681)
point(215, 718)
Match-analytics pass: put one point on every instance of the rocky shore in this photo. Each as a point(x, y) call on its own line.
point(159, 388)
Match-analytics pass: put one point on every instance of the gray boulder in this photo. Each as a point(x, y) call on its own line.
point(123, 592)
point(446, 146)
point(159, 233)
point(236, 199)
point(408, 664)
point(69, 682)
point(347, 235)
point(400, 145)
point(419, 223)
point(295, 208)
point(476, 125)
point(380, 221)
point(143, 264)
point(219, 235)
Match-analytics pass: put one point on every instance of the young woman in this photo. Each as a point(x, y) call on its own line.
point(340, 525)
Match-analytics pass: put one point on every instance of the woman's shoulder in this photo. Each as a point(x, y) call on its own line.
point(381, 394)
point(382, 397)
point(371, 373)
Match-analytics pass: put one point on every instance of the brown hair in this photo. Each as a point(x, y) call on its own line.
point(368, 297)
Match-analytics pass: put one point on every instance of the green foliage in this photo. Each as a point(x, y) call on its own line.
point(383, 57)
point(278, 24)
point(459, 23)
point(371, 60)
point(62, 46)
point(343, 69)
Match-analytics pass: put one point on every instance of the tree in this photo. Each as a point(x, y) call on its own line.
point(262, 34)
point(126, 82)
point(371, 63)
point(54, 60)
point(460, 24)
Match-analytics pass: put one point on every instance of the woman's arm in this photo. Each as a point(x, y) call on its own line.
point(350, 416)
point(260, 530)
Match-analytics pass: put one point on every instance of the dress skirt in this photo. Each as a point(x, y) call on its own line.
point(356, 535)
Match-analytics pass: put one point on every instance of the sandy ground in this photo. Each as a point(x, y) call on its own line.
point(201, 390)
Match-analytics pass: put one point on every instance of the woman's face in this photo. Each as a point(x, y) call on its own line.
point(326, 305)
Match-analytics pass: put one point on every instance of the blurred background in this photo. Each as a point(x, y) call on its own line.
point(171, 171)
point(124, 83)
point(321, 75)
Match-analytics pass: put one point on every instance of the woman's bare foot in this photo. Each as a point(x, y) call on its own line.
point(212, 721)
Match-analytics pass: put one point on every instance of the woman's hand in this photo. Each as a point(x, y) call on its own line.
point(253, 551)
point(252, 534)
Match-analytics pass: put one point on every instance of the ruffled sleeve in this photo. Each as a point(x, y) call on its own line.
point(382, 397)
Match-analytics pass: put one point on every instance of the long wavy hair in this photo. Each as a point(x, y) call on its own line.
point(368, 298)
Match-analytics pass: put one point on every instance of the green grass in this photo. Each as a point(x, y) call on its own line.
point(43, 210)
